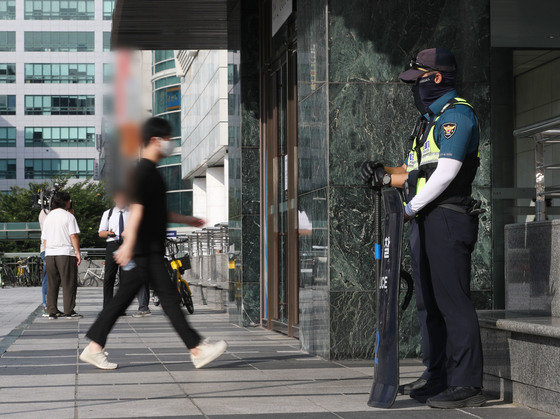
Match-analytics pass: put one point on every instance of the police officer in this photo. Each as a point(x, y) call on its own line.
point(437, 178)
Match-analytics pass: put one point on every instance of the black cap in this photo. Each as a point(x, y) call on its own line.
point(433, 59)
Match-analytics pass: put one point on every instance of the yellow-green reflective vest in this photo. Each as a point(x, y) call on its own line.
point(423, 158)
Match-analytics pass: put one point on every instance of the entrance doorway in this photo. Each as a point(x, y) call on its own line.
point(280, 143)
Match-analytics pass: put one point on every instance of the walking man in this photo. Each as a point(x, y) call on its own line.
point(438, 177)
point(142, 253)
point(62, 253)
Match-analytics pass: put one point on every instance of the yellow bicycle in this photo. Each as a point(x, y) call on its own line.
point(177, 267)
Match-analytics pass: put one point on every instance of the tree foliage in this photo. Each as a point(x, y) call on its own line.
point(88, 200)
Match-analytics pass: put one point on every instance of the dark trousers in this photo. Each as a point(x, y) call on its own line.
point(61, 270)
point(149, 269)
point(111, 269)
point(441, 243)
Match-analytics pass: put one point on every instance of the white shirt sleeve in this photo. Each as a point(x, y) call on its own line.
point(104, 225)
point(444, 174)
point(73, 225)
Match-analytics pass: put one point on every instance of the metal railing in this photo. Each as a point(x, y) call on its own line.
point(543, 133)
point(208, 241)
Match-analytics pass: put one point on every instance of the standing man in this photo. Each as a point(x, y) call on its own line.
point(437, 178)
point(42, 215)
point(62, 251)
point(113, 223)
point(142, 253)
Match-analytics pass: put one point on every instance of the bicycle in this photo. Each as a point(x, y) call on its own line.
point(93, 276)
point(177, 267)
point(7, 276)
point(23, 275)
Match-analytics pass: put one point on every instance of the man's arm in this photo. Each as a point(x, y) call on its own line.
point(104, 231)
point(173, 217)
point(126, 250)
point(76, 246)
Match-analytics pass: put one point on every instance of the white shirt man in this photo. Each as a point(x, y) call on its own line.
point(111, 225)
point(62, 254)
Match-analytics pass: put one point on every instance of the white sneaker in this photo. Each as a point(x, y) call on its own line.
point(98, 359)
point(208, 353)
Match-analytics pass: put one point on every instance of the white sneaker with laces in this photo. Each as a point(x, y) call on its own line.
point(208, 352)
point(98, 359)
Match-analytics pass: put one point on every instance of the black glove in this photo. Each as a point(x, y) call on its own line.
point(368, 170)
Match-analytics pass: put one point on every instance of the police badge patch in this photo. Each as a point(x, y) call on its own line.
point(449, 129)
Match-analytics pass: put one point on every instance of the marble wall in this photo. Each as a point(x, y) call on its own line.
point(243, 154)
point(351, 108)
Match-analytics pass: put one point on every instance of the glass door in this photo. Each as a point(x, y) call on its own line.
point(281, 146)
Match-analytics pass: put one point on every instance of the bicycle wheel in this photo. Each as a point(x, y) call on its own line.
point(186, 297)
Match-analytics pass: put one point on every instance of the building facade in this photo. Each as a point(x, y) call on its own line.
point(166, 103)
point(55, 73)
point(204, 130)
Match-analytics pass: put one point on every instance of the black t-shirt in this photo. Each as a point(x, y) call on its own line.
point(149, 191)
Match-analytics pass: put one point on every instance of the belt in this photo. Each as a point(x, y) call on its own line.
point(473, 208)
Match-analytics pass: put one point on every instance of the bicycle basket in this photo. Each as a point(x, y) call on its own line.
point(186, 262)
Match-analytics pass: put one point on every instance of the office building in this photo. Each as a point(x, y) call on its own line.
point(55, 73)
point(204, 130)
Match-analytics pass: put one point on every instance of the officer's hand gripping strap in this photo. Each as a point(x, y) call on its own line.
point(406, 277)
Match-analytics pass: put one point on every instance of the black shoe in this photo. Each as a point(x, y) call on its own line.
point(457, 397)
point(415, 385)
point(59, 314)
point(73, 315)
point(53, 317)
point(430, 389)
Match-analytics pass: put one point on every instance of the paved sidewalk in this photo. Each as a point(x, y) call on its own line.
point(16, 304)
point(262, 374)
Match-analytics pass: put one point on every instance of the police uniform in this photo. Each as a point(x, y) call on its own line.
point(442, 239)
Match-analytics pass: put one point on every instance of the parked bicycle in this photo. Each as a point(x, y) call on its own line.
point(7, 276)
point(177, 267)
point(93, 276)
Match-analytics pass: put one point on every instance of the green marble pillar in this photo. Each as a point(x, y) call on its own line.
point(243, 156)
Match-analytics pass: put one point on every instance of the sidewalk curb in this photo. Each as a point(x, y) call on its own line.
point(18, 330)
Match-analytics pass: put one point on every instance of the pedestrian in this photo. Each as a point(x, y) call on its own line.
point(142, 253)
point(437, 177)
point(42, 215)
point(113, 223)
point(62, 254)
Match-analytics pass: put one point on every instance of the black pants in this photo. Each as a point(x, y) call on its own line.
point(441, 244)
point(111, 269)
point(149, 269)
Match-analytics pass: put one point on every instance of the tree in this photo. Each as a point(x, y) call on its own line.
point(88, 200)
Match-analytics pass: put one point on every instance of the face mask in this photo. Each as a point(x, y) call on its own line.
point(417, 100)
point(166, 147)
point(429, 91)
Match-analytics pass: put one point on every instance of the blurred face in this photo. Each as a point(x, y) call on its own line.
point(164, 144)
point(120, 200)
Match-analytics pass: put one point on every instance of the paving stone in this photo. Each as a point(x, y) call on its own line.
point(263, 374)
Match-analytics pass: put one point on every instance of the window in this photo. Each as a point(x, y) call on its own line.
point(60, 73)
point(7, 9)
point(108, 73)
point(59, 9)
point(166, 81)
point(172, 177)
point(108, 6)
point(167, 100)
point(108, 104)
point(163, 55)
point(180, 202)
point(7, 104)
point(106, 41)
point(59, 105)
point(49, 168)
point(7, 41)
point(165, 65)
point(7, 137)
point(7, 73)
point(59, 136)
point(170, 160)
point(59, 41)
point(7, 168)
